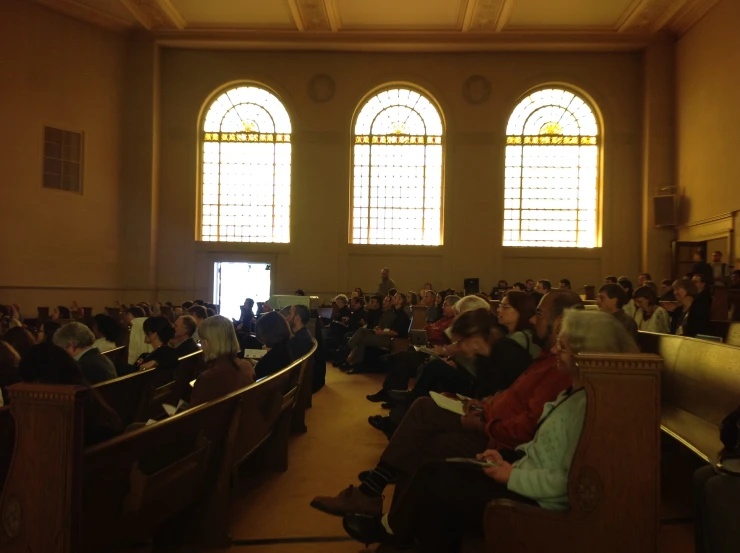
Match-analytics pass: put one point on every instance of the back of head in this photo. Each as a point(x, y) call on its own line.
point(218, 337)
point(303, 312)
point(74, 333)
point(50, 364)
point(161, 326)
point(546, 285)
point(595, 332)
point(198, 311)
point(189, 324)
point(107, 326)
point(615, 291)
point(50, 328)
point(187, 305)
point(210, 311)
point(611, 279)
point(688, 286)
point(272, 329)
point(626, 283)
point(285, 311)
point(146, 309)
point(20, 339)
point(452, 300)
point(136, 311)
point(472, 323)
point(300, 292)
point(469, 303)
point(563, 299)
point(64, 312)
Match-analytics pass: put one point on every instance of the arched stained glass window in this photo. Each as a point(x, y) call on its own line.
point(397, 185)
point(552, 165)
point(246, 168)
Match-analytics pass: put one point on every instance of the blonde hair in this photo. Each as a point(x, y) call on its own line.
point(220, 337)
point(342, 297)
point(471, 303)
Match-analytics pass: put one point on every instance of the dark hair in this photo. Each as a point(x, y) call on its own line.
point(161, 326)
point(546, 284)
point(359, 300)
point(611, 279)
point(64, 312)
point(107, 326)
point(615, 291)
point(647, 293)
point(414, 298)
point(471, 323)
point(9, 375)
point(562, 300)
point(20, 338)
point(378, 298)
point(524, 305)
point(299, 292)
point(189, 323)
point(403, 296)
point(666, 282)
point(136, 311)
point(646, 275)
point(249, 302)
point(303, 312)
point(49, 364)
point(565, 281)
point(187, 305)
point(168, 304)
point(210, 311)
point(198, 311)
point(626, 283)
point(272, 329)
point(4, 310)
point(519, 286)
point(200, 302)
point(701, 277)
point(49, 328)
point(392, 292)
point(687, 285)
point(146, 309)
point(736, 272)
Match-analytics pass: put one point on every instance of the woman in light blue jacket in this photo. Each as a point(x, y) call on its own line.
point(443, 500)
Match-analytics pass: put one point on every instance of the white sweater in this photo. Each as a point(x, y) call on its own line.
point(660, 321)
point(542, 474)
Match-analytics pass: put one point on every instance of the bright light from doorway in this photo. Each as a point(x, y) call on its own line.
point(233, 282)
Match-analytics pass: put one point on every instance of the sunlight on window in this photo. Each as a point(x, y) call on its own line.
point(397, 185)
point(246, 168)
point(551, 190)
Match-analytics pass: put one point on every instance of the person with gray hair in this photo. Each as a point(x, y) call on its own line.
point(77, 340)
point(441, 500)
point(225, 373)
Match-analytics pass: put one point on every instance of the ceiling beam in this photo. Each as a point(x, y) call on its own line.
point(295, 14)
point(372, 41)
point(488, 13)
point(155, 15)
point(88, 14)
point(691, 13)
point(332, 12)
point(642, 15)
point(505, 15)
point(468, 15)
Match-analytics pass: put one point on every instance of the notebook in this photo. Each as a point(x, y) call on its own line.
point(254, 353)
point(452, 405)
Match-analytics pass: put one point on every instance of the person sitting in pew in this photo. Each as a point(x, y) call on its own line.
point(666, 291)
point(650, 317)
point(504, 420)
point(20, 338)
point(691, 317)
point(443, 500)
point(273, 331)
point(182, 340)
point(225, 372)
point(46, 331)
point(77, 340)
point(106, 331)
point(48, 364)
point(247, 316)
point(60, 312)
point(301, 342)
point(610, 299)
point(158, 332)
point(134, 317)
point(199, 313)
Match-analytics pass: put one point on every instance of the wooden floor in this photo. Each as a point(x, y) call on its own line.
point(272, 512)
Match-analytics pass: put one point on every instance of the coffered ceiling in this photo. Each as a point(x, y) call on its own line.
point(393, 24)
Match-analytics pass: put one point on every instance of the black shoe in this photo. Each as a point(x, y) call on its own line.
point(378, 397)
point(383, 424)
point(387, 405)
point(365, 474)
point(366, 529)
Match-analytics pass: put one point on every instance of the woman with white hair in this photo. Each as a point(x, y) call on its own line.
point(443, 500)
point(225, 373)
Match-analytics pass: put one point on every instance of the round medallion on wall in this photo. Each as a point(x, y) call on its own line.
point(321, 88)
point(476, 89)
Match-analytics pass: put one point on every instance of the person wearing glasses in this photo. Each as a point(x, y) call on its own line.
point(503, 421)
point(441, 501)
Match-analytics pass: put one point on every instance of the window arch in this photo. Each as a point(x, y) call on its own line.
point(246, 168)
point(552, 172)
point(397, 180)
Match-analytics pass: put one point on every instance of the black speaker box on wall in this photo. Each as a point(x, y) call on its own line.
point(665, 210)
point(471, 285)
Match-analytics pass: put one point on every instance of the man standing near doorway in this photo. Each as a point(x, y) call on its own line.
point(386, 283)
point(720, 270)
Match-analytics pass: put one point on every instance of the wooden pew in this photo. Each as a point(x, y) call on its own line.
point(7, 439)
point(178, 471)
point(119, 357)
point(701, 385)
point(304, 393)
point(614, 480)
point(130, 395)
point(418, 317)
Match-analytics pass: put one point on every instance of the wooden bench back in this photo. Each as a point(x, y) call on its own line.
point(614, 479)
point(418, 317)
point(129, 395)
point(7, 441)
point(119, 357)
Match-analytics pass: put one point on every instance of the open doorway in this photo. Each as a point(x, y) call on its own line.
point(233, 282)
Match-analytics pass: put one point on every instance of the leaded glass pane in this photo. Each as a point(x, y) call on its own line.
point(397, 177)
point(551, 175)
point(246, 168)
